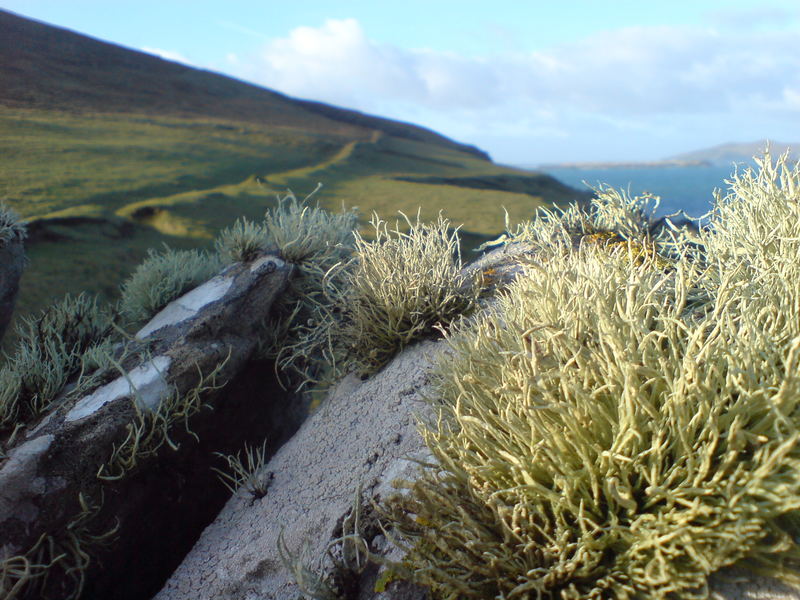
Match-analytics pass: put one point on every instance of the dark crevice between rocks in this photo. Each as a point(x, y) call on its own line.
point(170, 499)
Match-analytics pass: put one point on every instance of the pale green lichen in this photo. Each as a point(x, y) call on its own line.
point(354, 303)
point(161, 278)
point(150, 430)
point(612, 216)
point(56, 564)
point(600, 435)
point(242, 242)
point(314, 241)
point(53, 347)
point(400, 287)
point(245, 473)
point(11, 227)
point(18, 573)
point(334, 576)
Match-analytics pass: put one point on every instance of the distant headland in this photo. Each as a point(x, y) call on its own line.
point(668, 163)
point(721, 155)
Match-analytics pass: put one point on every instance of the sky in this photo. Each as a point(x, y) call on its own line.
point(529, 81)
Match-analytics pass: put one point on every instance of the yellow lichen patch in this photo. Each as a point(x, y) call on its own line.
point(488, 277)
point(639, 251)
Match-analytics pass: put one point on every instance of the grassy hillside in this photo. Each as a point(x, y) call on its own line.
point(55, 69)
point(108, 152)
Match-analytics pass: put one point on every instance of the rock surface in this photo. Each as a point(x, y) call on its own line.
point(50, 489)
point(734, 584)
point(358, 441)
point(12, 263)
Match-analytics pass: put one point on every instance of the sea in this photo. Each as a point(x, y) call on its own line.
point(686, 188)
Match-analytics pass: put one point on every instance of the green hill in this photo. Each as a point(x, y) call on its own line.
point(109, 151)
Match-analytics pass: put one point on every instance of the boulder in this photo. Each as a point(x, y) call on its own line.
point(361, 438)
point(111, 489)
point(324, 481)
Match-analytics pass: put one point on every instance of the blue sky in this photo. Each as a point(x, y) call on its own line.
point(529, 81)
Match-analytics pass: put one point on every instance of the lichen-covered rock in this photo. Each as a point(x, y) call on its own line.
point(290, 544)
point(123, 472)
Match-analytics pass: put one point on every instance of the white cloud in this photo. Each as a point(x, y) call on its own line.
point(337, 63)
point(168, 55)
point(615, 81)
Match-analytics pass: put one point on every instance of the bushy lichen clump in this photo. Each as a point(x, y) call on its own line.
point(395, 289)
point(60, 343)
point(354, 303)
point(613, 219)
point(11, 227)
point(602, 432)
point(399, 288)
point(314, 241)
point(242, 241)
point(161, 278)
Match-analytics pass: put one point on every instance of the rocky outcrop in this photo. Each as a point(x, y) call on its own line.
point(344, 457)
point(122, 473)
point(12, 263)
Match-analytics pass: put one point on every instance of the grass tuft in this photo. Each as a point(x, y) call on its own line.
point(161, 278)
point(600, 434)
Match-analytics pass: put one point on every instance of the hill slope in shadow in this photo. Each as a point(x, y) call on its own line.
point(48, 67)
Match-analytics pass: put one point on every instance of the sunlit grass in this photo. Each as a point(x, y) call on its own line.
point(181, 181)
point(52, 161)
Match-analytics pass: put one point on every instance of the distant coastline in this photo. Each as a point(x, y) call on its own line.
point(723, 155)
point(655, 164)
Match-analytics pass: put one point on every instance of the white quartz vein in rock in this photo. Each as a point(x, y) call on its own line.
point(146, 383)
point(187, 305)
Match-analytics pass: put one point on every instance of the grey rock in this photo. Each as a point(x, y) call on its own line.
point(358, 441)
point(12, 263)
point(53, 464)
point(737, 584)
